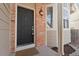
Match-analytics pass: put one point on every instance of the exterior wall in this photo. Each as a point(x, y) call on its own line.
point(52, 38)
point(40, 25)
point(67, 32)
point(74, 20)
point(67, 36)
point(52, 35)
point(4, 29)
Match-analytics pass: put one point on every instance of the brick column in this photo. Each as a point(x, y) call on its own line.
point(12, 27)
point(40, 25)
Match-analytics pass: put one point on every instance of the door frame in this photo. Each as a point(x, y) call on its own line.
point(26, 46)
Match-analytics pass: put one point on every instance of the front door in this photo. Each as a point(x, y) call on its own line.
point(25, 26)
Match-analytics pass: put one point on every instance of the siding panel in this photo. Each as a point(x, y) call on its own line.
point(4, 30)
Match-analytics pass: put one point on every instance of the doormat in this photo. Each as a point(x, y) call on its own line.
point(67, 50)
point(27, 52)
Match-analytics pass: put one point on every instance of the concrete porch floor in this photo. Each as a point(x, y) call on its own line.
point(46, 51)
point(43, 51)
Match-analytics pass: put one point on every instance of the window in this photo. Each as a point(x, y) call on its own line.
point(66, 23)
point(66, 16)
point(50, 16)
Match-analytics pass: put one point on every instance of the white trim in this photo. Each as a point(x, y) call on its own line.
point(62, 30)
point(27, 46)
point(46, 26)
point(19, 4)
point(66, 29)
point(16, 28)
point(57, 25)
point(50, 29)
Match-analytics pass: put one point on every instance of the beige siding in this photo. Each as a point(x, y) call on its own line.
point(4, 29)
point(52, 38)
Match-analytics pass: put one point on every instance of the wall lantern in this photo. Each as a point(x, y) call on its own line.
point(41, 12)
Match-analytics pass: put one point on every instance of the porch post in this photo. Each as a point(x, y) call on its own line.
point(60, 29)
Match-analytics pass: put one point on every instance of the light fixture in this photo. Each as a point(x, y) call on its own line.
point(41, 12)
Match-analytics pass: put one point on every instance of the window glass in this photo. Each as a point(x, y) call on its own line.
point(66, 16)
point(50, 16)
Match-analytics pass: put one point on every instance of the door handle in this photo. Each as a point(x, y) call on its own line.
point(32, 33)
point(32, 30)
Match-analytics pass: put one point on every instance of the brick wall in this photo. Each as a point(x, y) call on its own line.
point(12, 28)
point(40, 25)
